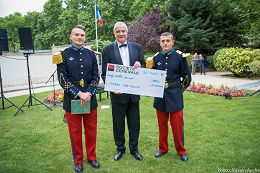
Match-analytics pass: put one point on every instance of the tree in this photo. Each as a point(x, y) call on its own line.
point(32, 19)
point(48, 28)
point(147, 31)
point(189, 21)
point(201, 25)
point(229, 23)
point(141, 7)
point(11, 24)
point(113, 11)
point(251, 10)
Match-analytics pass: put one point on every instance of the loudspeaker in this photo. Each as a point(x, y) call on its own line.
point(25, 36)
point(3, 40)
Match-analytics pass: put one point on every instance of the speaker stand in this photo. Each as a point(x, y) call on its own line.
point(30, 97)
point(3, 98)
point(52, 76)
point(256, 92)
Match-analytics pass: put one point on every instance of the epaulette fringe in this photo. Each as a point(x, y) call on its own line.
point(184, 55)
point(149, 61)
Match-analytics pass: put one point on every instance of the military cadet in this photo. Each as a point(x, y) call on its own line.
point(170, 107)
point(78, 75)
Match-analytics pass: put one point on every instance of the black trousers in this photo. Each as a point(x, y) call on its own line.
point(131, 112)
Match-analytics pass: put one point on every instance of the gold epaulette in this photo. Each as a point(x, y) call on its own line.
point(95, 52)
point(184, 55)
point(149, 61)
point(57, 58)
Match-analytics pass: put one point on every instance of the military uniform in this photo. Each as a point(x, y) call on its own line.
point(77, 71)
point(178, 78)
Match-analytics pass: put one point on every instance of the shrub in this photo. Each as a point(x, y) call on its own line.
point(255, 67)
point(236, 60)
point(210, 63)
point(101, 44)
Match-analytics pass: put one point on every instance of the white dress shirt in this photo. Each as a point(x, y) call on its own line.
point(124, 53)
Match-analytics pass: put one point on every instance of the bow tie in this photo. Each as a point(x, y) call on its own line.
point(123, 45)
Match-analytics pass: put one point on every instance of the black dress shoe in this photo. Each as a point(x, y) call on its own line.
point(184, 157)
point(159, 154)
point(119, 155)
point(79, 168)
point(138, 156)
point(94, 163)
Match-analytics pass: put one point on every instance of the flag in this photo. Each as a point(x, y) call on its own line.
point(98, 15)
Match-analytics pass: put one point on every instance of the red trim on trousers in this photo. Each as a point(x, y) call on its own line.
point(177, 125)
point(75, 131)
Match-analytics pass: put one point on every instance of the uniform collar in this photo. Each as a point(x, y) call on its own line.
point(168, 53)
point(76, 49)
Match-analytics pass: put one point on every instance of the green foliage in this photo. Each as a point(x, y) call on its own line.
point(101, 44)
point(34, 20)
point(201, 25)
point(112, 11)
point(189, 59)
point(51, 12)
point(251, 10)
point(210, 63)
point(236, 60)
point(37, 139)
point(140, 7)
point(11, 24)
point(149, 54)
point(255, 67)
point(227, 21)
point(188, 21)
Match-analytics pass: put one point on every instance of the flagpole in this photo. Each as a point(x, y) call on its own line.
point(96, 26)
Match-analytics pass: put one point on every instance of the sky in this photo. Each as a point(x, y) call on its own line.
point(8, 7)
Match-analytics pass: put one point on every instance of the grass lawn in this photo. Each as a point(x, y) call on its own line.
point(221, 135)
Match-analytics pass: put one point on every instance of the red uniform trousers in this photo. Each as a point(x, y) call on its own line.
point(176, 121)
point(75, 131)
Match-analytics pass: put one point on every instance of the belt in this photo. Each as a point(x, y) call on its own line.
point(79, 83)
point(172, 84)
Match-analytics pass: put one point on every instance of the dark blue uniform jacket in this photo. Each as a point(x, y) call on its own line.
point(78, 64)
point(177, 70)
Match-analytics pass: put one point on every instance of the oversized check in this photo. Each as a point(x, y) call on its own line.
point(139, 81)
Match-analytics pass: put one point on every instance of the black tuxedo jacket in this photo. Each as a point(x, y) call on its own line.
point(111, 54)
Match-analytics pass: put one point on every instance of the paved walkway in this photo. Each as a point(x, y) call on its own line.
point(211, 78)
point(226, 79)
point(13, 91)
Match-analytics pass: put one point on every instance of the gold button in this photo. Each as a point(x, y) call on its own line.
point(80, 53)
point(81, 72)
point(166, 57)
point(166, 63)
point(81, 66)
point(80, 59)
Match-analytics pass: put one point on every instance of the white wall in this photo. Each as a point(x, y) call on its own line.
point(14, 69)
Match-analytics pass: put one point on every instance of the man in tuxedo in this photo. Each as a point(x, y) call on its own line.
point(124, 105)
